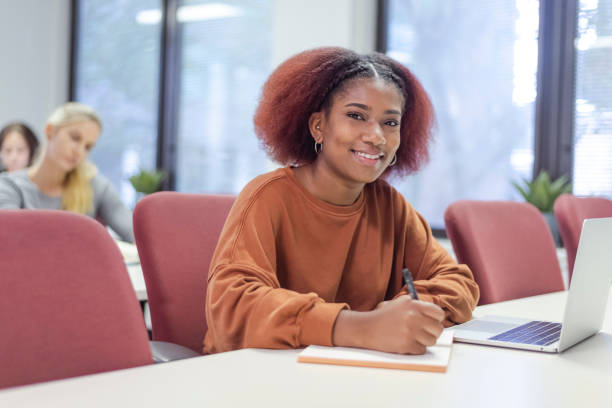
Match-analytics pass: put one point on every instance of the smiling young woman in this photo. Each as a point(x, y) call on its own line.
point(63, 179)
point(313, 253)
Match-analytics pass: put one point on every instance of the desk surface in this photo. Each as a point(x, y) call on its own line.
point(478, 376)
point(129, 252)
point(135, 272)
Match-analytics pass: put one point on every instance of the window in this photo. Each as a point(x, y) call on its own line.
point(223, 56)
point(478, 62)
point(117, 73)
point(593, 107)
point(224, 61)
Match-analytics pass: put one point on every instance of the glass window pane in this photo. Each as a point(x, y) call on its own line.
point(225, 59)
point(593, 108)
point(478, 62)
point(117, 72)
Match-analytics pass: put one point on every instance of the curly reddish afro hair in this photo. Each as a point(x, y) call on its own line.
point(307, 82)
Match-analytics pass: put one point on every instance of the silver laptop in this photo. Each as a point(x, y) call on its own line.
point(584, 310)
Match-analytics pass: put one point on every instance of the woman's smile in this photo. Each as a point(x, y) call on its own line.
point(368, 158)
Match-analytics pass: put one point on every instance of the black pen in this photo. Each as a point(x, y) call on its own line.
point(410, 284)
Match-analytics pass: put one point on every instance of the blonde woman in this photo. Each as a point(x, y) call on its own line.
point(62, 179)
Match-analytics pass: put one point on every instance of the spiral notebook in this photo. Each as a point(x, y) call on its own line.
point(435, 359)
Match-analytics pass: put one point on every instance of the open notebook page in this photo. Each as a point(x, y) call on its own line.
point(435, 359)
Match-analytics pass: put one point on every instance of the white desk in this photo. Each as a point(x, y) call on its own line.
point(477, 376)
point(129, 251)
point(135, 272)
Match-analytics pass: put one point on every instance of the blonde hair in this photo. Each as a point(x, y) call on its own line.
point(77, 194)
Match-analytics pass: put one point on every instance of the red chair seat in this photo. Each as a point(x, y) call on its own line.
point(507, 245)
point(67, 306)
point(176, 235)
point(570, 212)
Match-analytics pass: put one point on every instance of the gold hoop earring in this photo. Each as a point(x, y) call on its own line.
point(318, 149)
point(393, 161)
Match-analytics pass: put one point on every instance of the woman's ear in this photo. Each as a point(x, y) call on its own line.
point(314, 125)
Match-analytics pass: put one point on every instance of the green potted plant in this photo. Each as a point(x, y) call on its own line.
point(147, 182)
point(542, 193)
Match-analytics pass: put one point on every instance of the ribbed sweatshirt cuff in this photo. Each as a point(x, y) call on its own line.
point(436, 301)
point(317, 324)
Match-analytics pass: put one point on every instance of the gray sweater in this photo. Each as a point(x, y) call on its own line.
point(17, 190)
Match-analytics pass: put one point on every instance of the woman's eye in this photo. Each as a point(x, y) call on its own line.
point(354, 115)
point(392, 123)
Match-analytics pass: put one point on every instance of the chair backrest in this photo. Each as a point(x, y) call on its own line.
point(570, 212)
point(176, 235)
point(67, 305)
point(507, 245)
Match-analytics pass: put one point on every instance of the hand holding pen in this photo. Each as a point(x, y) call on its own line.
point(402, 325)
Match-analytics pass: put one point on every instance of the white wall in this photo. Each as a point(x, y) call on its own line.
point(300, 25)
point(34, 59)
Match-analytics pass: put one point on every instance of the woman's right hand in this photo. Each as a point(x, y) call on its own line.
point(401, 325)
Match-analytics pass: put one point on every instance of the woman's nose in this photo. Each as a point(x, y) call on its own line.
point(374, 135)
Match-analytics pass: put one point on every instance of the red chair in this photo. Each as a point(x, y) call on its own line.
point(570, 212)
point(507, 245)
point(67, 306)
point(176, 235)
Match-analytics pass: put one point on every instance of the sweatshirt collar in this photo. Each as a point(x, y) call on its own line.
point(344, 210)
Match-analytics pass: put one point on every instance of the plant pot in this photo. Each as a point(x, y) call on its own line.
point(554, 229)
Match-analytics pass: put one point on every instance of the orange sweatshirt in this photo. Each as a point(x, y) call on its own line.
point(287, 263)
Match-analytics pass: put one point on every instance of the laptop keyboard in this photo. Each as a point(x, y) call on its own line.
point(539, 333)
